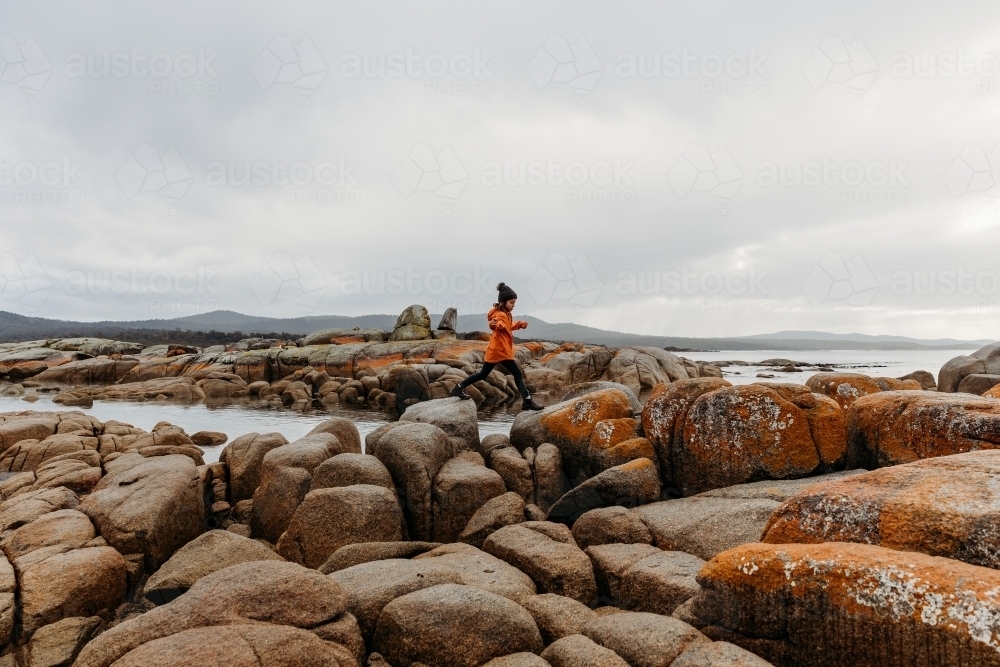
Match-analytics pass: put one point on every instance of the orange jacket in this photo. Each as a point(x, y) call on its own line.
point(501, 345)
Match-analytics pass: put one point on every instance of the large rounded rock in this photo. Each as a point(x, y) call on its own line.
point(664, 415)
point(414, 453)
point(946, 506)
point(29, 505)
point(59, 643)
point(610, 563)
point(480, 569)
point(569, 425)
point(457, 418)
point(705, 526)
point(741, 434)
point(505, 510)
point(897, 427)
point(582, 388)
point(610, 525)
point(453, 625)
point(845, 388)
point(558, 616)
point(412, 324)
point(550, 480)
point(271, 592)
point(347, 469)
point(643, 639)
point(460, 489)
point(350, 555)
point(245, 455)
point(985, 360)
point(555, 566)
point(844, 604)
point(330, 518)
point(660, 582)
point(581, 651)
point(523, 659)
point(344, 430)
point(515, 471)
point(449, 320)
point(286, 476)
point(239, 646)
point(32, 454)
point(628, 485)
point(208, 553)
point(775, 489)
point(64, 529)
point(370, 586)
point(81, 582)
point(152, 506)
point(978, 383)
point(718, 654)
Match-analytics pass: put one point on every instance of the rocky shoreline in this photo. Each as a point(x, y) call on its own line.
point(382, 370)
point(667, 518)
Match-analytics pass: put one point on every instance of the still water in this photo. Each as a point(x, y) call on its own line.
point(235, 420)
point(877, 363)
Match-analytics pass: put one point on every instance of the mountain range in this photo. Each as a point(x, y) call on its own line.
point(223, 325)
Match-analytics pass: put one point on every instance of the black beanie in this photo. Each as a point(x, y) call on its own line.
point(505, 293)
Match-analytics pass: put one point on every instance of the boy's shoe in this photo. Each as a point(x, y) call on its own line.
point(458, 392)
point(531, 405)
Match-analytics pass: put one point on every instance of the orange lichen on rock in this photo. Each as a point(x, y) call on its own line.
point(741, 434)
point(609, 432)
point(845, 388)
point(850, 604)
point(665, 412)
point(947, 506)
point(897, 427)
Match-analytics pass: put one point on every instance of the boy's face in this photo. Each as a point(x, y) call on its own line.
point(509, 305)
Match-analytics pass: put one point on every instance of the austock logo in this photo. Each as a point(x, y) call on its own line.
point(427, 170)
point(833, 279)
point(283, 61)
point(713, 172)
point(558, 61)
point(23, 282)
point(560, 280)
point(148, 170)
point(23, 64)
point(834, 62)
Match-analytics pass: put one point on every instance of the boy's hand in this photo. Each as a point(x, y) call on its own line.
point(520, 324)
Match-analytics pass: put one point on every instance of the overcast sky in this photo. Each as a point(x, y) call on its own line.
point(705, 169)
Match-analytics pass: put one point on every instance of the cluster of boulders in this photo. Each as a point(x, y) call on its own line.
point(835, 523)
point(359, 366)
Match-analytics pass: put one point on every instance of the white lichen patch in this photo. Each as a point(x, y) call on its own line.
point(897, 593)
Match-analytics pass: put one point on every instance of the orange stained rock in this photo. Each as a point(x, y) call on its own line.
point(890, 428)
point(737, 434)
point(845, 388)
point(633, 448)
point(609, 432)
point(946, 506)
point(824, 604)
point(575, 421)
point(664, 414)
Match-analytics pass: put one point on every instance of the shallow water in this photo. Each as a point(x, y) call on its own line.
point(235, 420)
point(877, 363)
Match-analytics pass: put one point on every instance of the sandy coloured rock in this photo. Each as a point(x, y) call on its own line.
point(207, 553)
point(328, 519)
point(450, 624)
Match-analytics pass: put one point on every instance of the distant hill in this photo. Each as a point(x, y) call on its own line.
point(225, 326)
